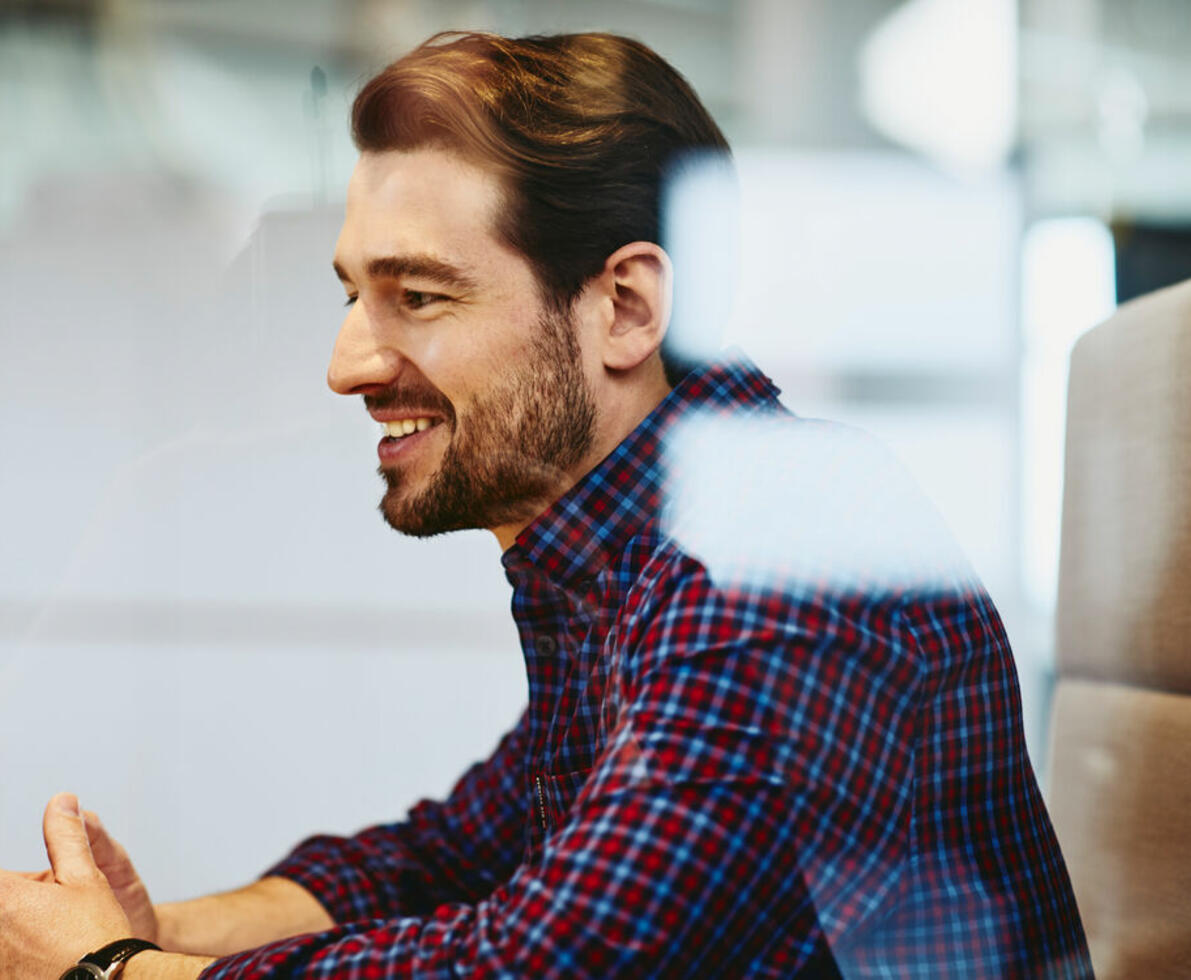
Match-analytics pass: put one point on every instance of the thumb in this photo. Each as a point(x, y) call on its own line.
point(66, 841)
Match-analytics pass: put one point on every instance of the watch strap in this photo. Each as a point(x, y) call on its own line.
point(122, 949)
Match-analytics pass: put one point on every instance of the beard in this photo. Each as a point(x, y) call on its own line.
point(511, 453)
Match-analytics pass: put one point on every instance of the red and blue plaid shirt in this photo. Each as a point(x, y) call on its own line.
point(714, 777)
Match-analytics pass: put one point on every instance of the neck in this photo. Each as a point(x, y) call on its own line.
point(622, 411)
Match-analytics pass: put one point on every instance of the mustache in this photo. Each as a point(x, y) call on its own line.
point(410, 398)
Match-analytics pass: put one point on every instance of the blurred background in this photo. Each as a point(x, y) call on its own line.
point(207, 631)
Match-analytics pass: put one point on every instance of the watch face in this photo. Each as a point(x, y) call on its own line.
point(84, 971)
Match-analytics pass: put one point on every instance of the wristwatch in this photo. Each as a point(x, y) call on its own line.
point(104, 963)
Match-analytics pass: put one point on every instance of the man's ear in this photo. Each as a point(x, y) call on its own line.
point(636, 294)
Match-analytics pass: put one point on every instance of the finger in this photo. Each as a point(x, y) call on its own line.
point(109, 855)
point(103, 846)
point(66, 841)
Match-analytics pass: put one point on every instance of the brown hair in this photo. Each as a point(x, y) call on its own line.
point(585, 129)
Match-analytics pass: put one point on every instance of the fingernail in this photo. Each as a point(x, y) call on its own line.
point(68, 803)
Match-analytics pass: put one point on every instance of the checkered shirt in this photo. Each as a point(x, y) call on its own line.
point(714, 777)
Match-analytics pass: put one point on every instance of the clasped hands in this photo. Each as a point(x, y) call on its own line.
point(90, 896)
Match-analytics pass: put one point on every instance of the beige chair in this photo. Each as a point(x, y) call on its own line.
point(1120, 775)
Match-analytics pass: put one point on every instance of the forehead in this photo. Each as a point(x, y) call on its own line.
point(425, 201)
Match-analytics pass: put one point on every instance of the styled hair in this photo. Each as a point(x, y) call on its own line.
point(584, 130)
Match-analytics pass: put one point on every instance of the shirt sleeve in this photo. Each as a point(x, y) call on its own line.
point(457, 850)
point(754, 789)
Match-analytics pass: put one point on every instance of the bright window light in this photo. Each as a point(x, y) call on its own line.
point(1068, 286)
point(940, 76)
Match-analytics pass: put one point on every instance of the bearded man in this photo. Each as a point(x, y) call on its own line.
point(720, 773)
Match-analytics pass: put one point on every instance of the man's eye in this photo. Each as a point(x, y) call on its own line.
point(351, 301)
point(417, 299)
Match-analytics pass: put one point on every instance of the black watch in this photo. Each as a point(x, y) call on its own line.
point(102, 964)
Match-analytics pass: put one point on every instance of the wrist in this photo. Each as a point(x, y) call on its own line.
point(166, 922)
point(165, 966)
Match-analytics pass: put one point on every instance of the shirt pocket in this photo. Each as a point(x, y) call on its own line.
point(555, 794)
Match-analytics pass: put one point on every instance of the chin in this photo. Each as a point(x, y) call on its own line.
point(395, 509)
point(404, 515)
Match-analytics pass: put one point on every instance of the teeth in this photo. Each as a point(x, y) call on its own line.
point(403, 427)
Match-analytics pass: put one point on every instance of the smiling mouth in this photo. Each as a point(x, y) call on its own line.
point(403, 439)
point(400, 428)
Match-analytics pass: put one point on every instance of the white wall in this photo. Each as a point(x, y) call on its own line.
point(206, 630)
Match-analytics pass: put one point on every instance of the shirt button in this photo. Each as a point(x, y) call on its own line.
point(546, 645)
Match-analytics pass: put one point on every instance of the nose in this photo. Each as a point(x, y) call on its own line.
point(361, 363)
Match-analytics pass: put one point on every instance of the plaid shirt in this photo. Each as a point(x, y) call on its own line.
point(713, 778)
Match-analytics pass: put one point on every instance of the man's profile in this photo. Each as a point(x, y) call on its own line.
point(809, 763)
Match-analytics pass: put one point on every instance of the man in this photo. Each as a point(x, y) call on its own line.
point(805, 766)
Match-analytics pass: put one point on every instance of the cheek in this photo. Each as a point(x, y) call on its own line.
point(467, 355)
point(473, 358)
point(459, 373)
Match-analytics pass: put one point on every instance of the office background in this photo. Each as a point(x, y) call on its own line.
point(205, 628)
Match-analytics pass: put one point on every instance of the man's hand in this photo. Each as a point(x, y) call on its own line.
point(113, 861)
point(48, 921)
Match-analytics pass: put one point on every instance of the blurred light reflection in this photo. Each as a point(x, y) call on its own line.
point(1068, 286)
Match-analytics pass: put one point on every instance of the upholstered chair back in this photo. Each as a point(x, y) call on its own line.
point(1120, 761)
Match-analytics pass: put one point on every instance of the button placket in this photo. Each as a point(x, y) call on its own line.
point(537, 781)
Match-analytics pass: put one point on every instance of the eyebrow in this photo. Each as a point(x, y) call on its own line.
point(417, 266)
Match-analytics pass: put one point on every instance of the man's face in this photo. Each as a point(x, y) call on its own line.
point(447, 335)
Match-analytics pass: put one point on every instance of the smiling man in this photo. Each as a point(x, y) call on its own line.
point(724, 770)
point(480, 382)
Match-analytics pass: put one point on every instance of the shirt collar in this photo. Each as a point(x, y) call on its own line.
point(595, 519)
